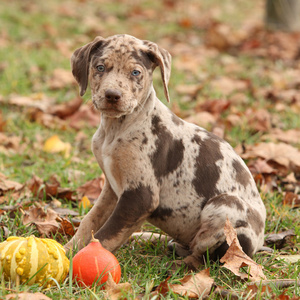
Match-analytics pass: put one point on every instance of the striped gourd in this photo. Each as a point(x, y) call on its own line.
point(33, 258)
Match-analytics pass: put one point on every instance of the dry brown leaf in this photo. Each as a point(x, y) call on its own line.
point(291, 136)
point(281, 239)
point(291, 199)
point(85, 116)
point(66, 109)
point(203, 119)
point(259, 120)
point(49, 189)
point(61, 78)
point(92, 188)
point(282, 154)
point(26, 296)
point(260, 166)
point(226, 85)
point(38, 100)
point(192, 285)
point(2, 121)
point(4, 231)
point(116, 291)
point(45, 119)
point(221, 36)
point(215, 107)
point(10, 144)
point(190, 90)
point(235, 258)
point(9, 186)
point(45, 222)
point(66, 227)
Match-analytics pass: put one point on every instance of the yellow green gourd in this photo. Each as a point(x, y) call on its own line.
point(21, 258)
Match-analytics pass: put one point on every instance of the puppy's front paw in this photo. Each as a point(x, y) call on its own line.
point(193, 262)
point(180, 250)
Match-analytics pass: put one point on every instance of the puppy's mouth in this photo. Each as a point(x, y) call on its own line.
point(111, 110)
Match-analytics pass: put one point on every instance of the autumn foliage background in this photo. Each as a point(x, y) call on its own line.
point(229, 74)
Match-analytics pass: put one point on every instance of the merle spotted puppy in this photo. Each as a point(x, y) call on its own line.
point(158, 167)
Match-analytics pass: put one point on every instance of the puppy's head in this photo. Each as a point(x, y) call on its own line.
point(119, 69)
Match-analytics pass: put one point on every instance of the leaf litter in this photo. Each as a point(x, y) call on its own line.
point(273, 166)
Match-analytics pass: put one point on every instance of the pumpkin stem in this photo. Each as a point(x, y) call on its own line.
point(93, 240)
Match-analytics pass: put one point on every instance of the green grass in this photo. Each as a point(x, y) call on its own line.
point(30, 35)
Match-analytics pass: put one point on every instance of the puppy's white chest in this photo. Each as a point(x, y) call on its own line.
point(107, 167)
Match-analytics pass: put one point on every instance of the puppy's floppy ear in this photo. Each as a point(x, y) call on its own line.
point(80, 62)
point(162, 58)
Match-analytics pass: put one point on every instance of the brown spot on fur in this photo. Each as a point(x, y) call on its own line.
point(177, 121)
point(241, 223)
point(162, 213)
point(226, 200)
point(140, 56)
point(246, 244)
point(168, 154)
point(207, 172)
point(254, 219)
point(241, 175)
point(131, 208)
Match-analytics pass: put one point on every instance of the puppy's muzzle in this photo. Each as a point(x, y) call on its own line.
point(113, 96)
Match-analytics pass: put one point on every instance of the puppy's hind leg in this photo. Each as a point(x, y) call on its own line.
point(210, 236)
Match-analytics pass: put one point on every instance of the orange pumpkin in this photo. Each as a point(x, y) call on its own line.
point(92, 264)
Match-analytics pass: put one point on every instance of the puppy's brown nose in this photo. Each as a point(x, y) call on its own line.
point(112, 96)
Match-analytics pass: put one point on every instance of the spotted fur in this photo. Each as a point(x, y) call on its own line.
point(158, 167)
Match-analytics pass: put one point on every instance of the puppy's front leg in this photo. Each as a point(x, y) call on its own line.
point(132, 209)
point(95, 218)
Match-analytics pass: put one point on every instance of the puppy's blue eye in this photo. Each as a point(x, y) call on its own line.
point(101, 68)
point(135, 73)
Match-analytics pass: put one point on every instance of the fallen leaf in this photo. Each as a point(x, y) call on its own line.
point(65, 212)
point(221, 36)
point(193, 286)
point(66, 109)
point(202, 119)
point(45, 222)
point(10, 144)
point(235, 258)
point(286, 156)
point(291, 136)
point(2, 121)
point(26, 296)
point(226, 86)
point(38, 100)
point(291, 199)
point(49, 189)
point(190, 90)
point(66, 227)
point(289, 258)
point(85, 202)
point(259, 120)
point(45, 119)
point(215, 107)
point(279, 240)
point(92, 188)
point(4, 231)
point(260, 166)
point(55, 145)
point(61, 78)
point(85, 116)
point(116, 291)
point(9, 186)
